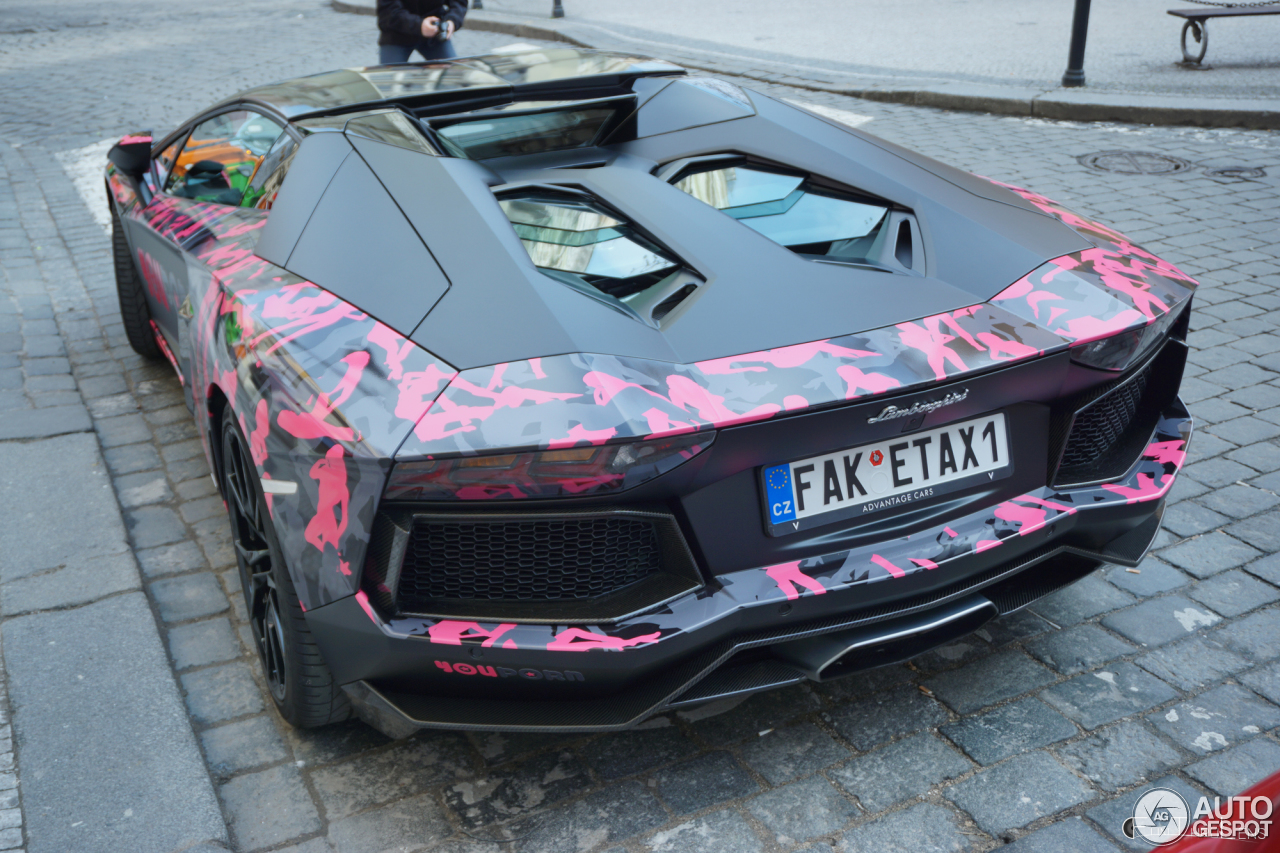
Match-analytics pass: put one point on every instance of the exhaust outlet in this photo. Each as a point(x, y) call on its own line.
point(858, 649)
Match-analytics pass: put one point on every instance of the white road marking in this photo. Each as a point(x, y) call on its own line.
point(84, 166)
point(842, 116)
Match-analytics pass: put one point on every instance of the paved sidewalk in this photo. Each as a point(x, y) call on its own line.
point(108, 759)
point(1042, 729)
point(1005, 56)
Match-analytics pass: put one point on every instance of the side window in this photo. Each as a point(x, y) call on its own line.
point(163, 164)
point(221, 156)
point(270, 175)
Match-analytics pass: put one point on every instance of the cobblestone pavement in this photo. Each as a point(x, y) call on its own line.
point(1041, 728)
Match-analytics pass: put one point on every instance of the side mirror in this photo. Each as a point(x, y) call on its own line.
point(132, 154)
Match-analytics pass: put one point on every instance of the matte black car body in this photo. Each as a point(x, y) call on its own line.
point(387, 342)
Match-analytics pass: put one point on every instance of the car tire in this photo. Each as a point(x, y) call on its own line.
point(297, 677)
point(134, 311)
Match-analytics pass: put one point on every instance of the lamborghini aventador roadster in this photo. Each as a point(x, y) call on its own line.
point(553, 389)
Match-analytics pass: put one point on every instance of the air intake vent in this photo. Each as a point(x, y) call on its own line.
point(546, 559)
point(903, 250)
point(1098, 427)
point(1103, 432)
point(592, 566)
point(663, 308)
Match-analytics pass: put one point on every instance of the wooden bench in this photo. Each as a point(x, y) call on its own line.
point(1198, 23)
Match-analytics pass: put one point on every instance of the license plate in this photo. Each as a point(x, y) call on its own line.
point(890, 474)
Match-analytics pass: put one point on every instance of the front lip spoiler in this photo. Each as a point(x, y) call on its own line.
point(704, 677)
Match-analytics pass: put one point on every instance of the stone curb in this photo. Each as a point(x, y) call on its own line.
point(1054, 103)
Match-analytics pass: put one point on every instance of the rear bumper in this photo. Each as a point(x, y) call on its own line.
point(888, 601)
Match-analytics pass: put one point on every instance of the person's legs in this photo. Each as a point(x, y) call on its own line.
point(390, 54)
point(433, 50)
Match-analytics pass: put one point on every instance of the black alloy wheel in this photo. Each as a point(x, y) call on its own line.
point(300, 684)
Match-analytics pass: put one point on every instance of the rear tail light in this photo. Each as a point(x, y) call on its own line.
point(1117, 352)
point(544, 473)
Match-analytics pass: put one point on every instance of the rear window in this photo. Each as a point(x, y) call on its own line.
point(580, 242)
point(579, 238)
point(506, 132)
point(791, 210)
point(390, 127)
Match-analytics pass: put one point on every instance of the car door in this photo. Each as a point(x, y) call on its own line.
point(153, 256)
point(202, 178)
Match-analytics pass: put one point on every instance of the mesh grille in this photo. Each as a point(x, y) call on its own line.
point(553, 559)
point(1097, 428)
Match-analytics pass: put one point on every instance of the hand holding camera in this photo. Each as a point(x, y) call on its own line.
point(437, 29)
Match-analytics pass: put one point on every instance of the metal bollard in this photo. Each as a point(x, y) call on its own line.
point(1075, 59)
point(557, 11)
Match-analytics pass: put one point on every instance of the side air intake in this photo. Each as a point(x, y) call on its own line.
point(903, 250)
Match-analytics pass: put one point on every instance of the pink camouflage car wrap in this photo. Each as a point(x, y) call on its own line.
point(487, 400)
point(770, 586)
point(1074, 299)
point(323, 392)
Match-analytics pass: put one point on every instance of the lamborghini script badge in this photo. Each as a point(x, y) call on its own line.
point(890, 413)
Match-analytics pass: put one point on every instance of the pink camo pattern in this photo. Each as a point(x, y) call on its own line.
point(1097, 292)
point(343, 391)
point(593, 399)
point(927, 550)
point(560, 401)
point(322, 391)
